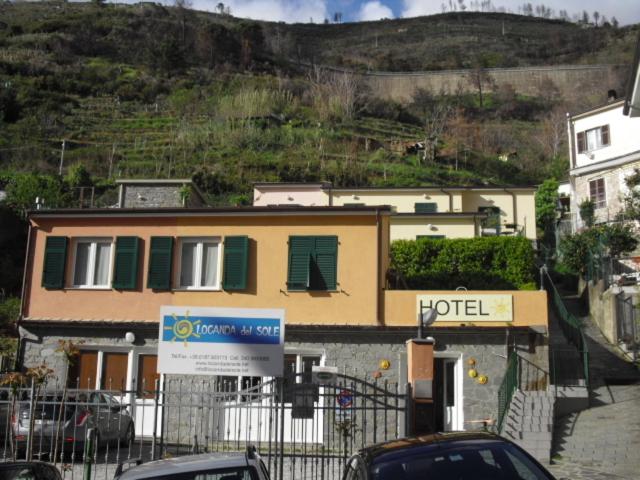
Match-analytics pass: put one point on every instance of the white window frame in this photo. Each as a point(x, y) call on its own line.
point(198, 264)
point(91, 266)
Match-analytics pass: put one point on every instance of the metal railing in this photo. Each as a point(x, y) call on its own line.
point(301, 429)
point(570, 325)
point(521, 374)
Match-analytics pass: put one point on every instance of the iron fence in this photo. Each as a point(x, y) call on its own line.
point(301, 429)
point(571, 328)
point(523, 375)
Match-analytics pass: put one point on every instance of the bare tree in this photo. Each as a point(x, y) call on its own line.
point(552, 136)
point(596, 16)
point(435, 123)
point(481, 80)
point(336, 94)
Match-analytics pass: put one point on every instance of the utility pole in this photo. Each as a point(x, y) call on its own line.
point(64, 143)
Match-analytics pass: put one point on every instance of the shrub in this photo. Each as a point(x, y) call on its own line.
point(485, 263)
point(613, 240)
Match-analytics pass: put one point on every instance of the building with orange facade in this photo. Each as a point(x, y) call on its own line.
point(100, 277)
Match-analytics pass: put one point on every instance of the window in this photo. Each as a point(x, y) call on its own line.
point(294, 364)
point(593, 139)
point(199, 263)
point(597, 193)
point(313, 263)
point(92, 266)
point(147, 375)
point(114, 371)
point(83, 371)
point(425, 207)
point(491, 224)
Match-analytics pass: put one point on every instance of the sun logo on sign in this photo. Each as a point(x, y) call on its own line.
point(183, 329)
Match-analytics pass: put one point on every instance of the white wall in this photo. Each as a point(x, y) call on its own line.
point(624, 136)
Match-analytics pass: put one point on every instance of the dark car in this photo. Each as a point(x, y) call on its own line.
point(99, 410)
point(28, 471)
point(455, 456)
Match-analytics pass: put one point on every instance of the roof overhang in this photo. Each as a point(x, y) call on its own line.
point(281, 185)
point(436, 215)
point(606, 164)
point(597, 110)
point(284, 211)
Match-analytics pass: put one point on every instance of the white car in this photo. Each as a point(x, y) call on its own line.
point(206, 466)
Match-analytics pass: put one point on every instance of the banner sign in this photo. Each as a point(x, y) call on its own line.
point(468, 307)
point(221, 341)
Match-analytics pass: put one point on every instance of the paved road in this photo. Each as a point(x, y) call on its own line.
point(603, 441)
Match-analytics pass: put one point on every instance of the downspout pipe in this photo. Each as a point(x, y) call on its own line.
point(514, 205)
point(379, 273)
point(23, 297)
point(450, 198)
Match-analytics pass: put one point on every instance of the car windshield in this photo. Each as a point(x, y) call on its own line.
point(495, 461)
point(236, 473)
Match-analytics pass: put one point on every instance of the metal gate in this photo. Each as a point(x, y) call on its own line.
point(627, 323)
point(303, 427)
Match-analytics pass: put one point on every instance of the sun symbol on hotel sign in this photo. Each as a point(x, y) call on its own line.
point(500, 307)
point(183, 329)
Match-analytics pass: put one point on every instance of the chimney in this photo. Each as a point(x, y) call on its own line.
point(612, 96)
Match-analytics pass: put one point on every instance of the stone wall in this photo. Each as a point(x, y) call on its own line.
point(158, 196)
point(354, 352)
point(572, 82)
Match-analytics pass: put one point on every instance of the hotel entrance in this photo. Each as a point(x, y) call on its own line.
point(447, 393)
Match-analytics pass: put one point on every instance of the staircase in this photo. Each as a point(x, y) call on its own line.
point(529, 422)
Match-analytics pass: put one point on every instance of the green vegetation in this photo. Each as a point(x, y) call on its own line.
point(485, 263)
point(546, 211)
point(605, 240)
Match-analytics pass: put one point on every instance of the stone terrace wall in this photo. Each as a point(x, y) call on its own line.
point(573, 82)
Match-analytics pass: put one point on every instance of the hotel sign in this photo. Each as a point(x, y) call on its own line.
point(221, 341)
point(468, 307)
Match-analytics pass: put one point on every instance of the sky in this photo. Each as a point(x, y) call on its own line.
point(626, 11)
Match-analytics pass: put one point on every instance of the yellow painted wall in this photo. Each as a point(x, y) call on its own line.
point(529, 308)
point(353, 304)
point(404, 202)
point(525, 206)
point(408, 228)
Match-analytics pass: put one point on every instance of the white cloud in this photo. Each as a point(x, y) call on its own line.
point(416, 8)
point(289, 11)
point(626, 11)
point(373, 10)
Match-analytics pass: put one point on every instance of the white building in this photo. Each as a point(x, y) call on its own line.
point(604, 149)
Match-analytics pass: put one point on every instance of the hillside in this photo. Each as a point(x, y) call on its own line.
point(452, 41)
point(151, 91)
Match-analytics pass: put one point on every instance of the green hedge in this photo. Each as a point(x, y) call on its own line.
point(486, 263)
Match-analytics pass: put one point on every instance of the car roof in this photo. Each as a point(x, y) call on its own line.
point(435, 440)
point(184, 464)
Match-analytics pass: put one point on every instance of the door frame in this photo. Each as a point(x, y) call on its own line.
point(458, 424)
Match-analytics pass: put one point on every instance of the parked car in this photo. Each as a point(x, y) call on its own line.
point(28, 471)
point(212, 466)
point(460, 456)
point(100, 410)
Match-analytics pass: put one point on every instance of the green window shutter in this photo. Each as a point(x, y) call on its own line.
point(125, 275)
point(426, 207)
point(236, 261)
point(324, 263)
point(160, 262)
point(300, 249)
point(431, 237)
point(55, 259)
